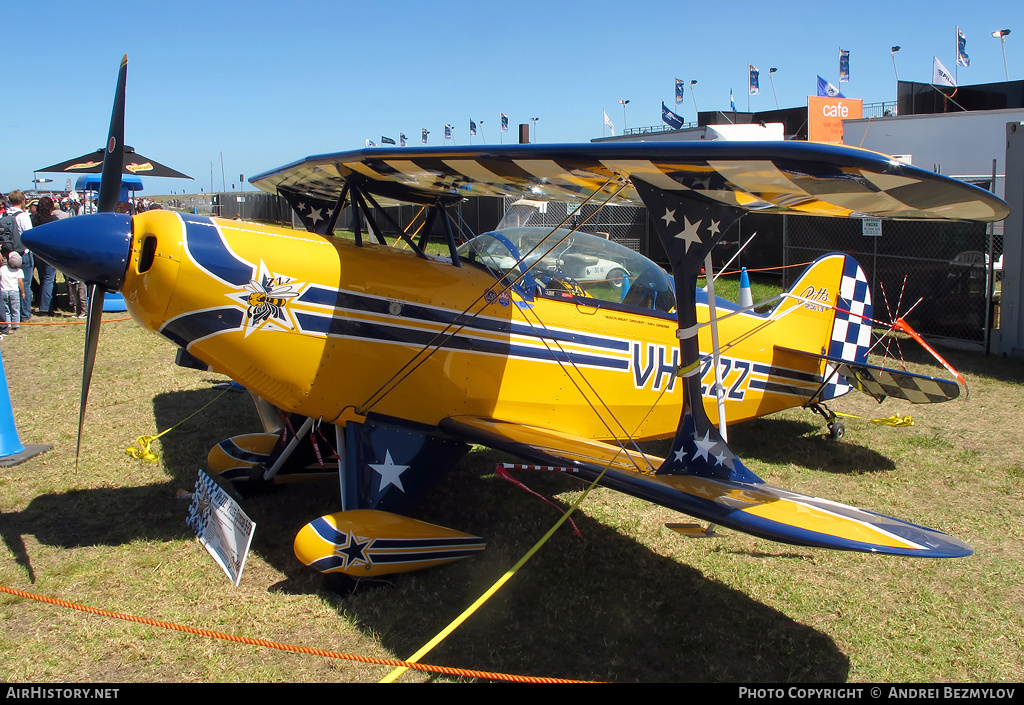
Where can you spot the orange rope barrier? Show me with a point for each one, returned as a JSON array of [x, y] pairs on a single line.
[[286, 647], [73, 321], [762, 269]]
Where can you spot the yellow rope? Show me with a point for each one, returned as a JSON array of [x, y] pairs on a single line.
[[457, 622], [145, 452], [894, 420]]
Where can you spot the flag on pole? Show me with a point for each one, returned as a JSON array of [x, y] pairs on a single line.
[[732, 101], [370, 143], [844, 66], [401, 138], [826, 89], [504, 122], [670, 118], [447, 131], [679, 91], [940, 76], [386, 140], [755, 89], [425, 133], [609, 123], [961, 49], [472, 129]]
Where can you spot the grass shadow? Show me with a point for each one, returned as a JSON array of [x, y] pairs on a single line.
[[604, 607]]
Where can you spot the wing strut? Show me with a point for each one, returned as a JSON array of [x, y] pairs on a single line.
[[689, 227], [332, 222], [401, 231]]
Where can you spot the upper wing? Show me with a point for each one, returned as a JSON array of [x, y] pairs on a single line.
[[789, 177], [752, 507]]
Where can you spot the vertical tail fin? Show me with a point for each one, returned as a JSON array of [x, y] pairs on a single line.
[[836, 289]]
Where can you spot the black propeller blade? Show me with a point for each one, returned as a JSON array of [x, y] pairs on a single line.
[[92, 339], [110, 193], [113, 157]]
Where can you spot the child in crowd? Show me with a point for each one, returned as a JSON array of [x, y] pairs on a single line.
[[12, 289]]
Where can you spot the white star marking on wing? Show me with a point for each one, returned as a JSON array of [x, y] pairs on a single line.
[[704, 446], [314, 214], [679, 454], [390, 474], [669, 217], [720, 458], [713, 228], [689, 233]]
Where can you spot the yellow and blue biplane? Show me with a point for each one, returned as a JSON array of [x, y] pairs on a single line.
[[550, 344]]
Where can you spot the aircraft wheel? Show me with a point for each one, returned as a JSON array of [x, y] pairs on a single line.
[[616, 276], [837, 430], [255, 485]]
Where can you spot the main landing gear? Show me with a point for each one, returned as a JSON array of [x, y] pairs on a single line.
[[836, 429]]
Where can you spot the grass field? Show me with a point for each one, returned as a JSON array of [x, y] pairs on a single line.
[[629, 601]]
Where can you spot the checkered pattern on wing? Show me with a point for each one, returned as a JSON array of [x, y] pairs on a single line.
[[851, 331]]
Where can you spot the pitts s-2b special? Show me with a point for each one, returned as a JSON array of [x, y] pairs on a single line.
[[508, 341]]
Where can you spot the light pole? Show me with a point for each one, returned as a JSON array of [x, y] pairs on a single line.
[[623, 103], [693, 95], [771, 78], [1000, 34], [892, 53], [534, 121]]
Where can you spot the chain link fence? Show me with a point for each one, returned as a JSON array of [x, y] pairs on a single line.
[[945, 273]]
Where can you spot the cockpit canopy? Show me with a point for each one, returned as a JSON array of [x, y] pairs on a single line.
[[546, 261]]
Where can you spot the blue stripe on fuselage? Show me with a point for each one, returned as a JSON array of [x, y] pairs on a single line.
[[185, 330], [205, 243], [382, 332], [323, 296]]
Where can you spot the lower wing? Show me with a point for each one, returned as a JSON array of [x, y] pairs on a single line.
[[752, 507]]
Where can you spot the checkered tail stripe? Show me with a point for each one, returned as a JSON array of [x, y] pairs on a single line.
[[851, 331]]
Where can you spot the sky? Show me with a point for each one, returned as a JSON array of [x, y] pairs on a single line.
[[220, 89]]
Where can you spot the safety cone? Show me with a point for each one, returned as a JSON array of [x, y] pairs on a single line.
[[12, 451], [745, 297]]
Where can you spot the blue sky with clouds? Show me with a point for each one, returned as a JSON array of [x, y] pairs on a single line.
[[267, 83]]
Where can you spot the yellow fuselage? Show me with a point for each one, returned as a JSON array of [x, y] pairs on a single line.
[[322, 327]]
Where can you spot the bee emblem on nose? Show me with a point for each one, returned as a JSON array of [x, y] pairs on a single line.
[[266, 298]]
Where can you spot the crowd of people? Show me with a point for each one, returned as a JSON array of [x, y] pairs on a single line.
[[25, 278]]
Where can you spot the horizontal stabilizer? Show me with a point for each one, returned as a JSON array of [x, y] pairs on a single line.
[[880, 382], [754, 508]]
